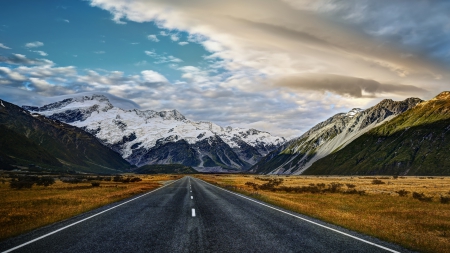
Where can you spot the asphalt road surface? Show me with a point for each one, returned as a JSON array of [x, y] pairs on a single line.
[[190, 215]]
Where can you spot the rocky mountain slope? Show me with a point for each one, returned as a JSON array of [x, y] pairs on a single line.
[[327, 137], [416, 142], [34, 139], [166, 137]]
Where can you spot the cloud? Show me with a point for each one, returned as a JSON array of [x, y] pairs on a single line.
[[153, 38], [3, 46], [174, 37], [41, 53], [346, 85], [66, 20], [163, 58], [99, 52], [34, 44], [20, 59], [284, 64], [183, 43], [153, 77], [141, 63]]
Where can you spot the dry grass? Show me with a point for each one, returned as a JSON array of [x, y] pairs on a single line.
[[27, 209], [380, 212]]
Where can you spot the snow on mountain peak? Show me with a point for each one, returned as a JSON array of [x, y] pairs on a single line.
[[353, 112], [132, 130]]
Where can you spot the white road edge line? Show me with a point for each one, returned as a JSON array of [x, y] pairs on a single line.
[[92, 216], [193, 212], [312, 222]]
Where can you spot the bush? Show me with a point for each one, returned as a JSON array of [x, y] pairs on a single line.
[[118, 179], [251, 184], [95, 184], [445, 199], [354, 191], [402, 193], [135, 179], [334, 187], [71, 180], [350, 186], [45, 181], [21, 183], [422, 197], [377, 181]]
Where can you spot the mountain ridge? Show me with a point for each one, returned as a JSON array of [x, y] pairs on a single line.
[[33, 138], [135, 134], [414, 143], [328, 136]]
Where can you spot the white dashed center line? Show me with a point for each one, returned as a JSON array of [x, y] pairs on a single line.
[[192, 197], [193, 212]]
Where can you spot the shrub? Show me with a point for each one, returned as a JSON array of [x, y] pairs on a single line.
[[71, 180], [117, 179], [251, 184], [422, 197], [402, 193], [445, 199], [350, 186], [377, 181], [135, 179], [95, 184], [321, 185], [23, 182], [334, 187], [45, 181]]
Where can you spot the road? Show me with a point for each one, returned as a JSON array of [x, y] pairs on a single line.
[[190, 215]]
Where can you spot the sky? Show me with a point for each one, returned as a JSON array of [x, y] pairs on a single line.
[[276, 65]]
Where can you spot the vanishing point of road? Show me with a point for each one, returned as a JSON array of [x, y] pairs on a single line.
[[190, 215]]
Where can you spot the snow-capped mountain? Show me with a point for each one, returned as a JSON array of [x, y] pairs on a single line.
[[329, 136], [151, 137]]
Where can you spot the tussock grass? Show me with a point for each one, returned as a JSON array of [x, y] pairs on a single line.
[[387, 211], [27, 209]]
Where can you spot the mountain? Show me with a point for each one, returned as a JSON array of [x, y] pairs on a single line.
[[166, 137], [165, 169], [34, 139], [331, 135], [414, 143]]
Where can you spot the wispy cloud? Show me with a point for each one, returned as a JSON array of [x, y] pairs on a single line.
[[163, 58], [153, 38], [3, 46], [183, 43], [141, 63], [34, 44], [41, 53], [99, 52]]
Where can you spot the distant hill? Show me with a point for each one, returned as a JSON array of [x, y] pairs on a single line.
[[34, 139], [165, 169], [417, 142]]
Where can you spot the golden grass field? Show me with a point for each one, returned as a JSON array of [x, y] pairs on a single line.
[[379, 212], [27, 209]]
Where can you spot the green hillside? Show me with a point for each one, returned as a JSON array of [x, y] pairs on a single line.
[[34, 139], [416, 142]]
